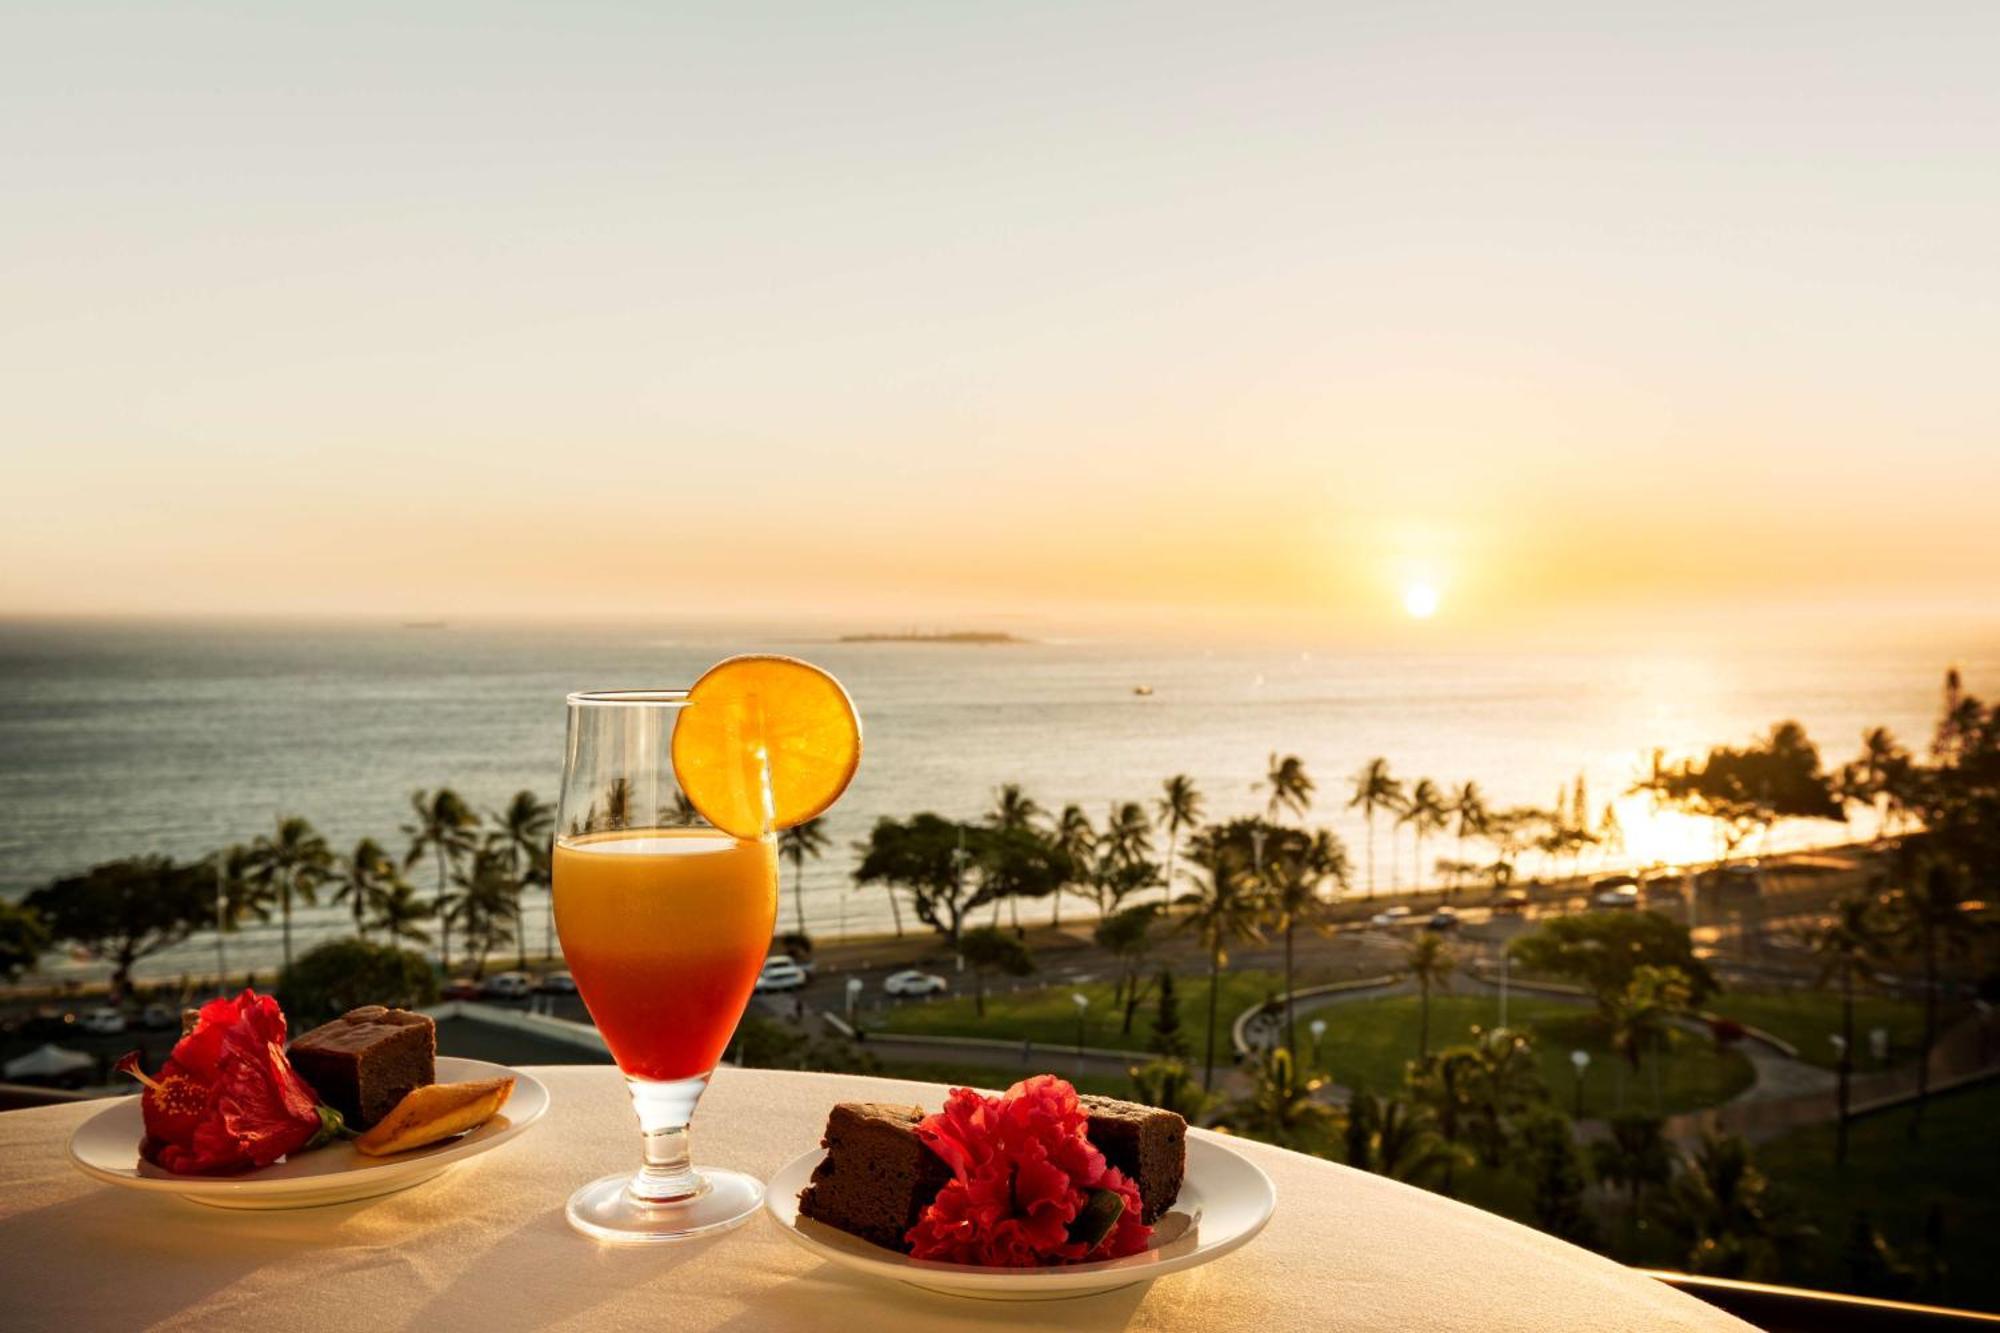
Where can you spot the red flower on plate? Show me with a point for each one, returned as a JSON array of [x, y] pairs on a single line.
[[227, 1100], [1027, 1187]]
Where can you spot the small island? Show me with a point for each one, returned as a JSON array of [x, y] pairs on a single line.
[[948, 636]]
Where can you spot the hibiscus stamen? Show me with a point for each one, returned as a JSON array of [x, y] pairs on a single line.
[[128, 1063]]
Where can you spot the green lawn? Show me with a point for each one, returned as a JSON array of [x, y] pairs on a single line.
[[1806, 1018], [1952, 1166], [1368, 1042], [1047, 1016]]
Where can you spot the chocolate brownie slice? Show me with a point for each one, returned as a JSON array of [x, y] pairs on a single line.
[[367, 1060], [877, 1177], [1149, 1145]]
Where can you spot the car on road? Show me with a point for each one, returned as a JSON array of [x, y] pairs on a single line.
[[1389, 916], [913, 982], [558, 983], [1664, 886], [461, 988], [1620, 896], [780, 973], [158, 1017], [1442, 919], [102, 1020], [508, 986]]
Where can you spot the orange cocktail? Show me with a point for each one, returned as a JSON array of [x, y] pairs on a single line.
[[665, 930]]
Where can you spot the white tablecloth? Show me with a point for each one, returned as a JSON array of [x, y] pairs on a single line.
[[485, 1247]]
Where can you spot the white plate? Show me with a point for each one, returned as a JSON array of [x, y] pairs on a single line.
[[106, 1146], [1224, 1201]]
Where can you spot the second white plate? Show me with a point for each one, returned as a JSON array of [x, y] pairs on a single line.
[[1224, 1201], [106, 1147]]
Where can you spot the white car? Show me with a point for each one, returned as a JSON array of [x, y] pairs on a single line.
[[912, 982], [509, 986], [780, 973], [559, 983], [1625, 895], [104, 1020], [1390, 916]]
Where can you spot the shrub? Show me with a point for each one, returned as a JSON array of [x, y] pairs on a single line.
[[345, 974]]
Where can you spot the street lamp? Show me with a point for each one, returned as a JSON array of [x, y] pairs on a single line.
[[1581, 1060], [853, 995], [1318, 1029], [1082, 1003]]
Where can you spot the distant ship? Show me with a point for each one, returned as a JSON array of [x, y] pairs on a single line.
[[951, 636], [1142, 689]]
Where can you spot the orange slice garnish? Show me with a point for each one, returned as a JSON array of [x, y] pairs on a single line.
[[765, 743]]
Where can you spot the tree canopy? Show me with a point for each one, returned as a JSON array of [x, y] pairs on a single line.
[[1603, 951], [123, 911]]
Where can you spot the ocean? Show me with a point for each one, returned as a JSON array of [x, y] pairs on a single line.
[[118, 739]]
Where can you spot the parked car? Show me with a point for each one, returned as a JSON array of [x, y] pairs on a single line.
[[780, 973], [558, 983], [103, 1020], [1624, 896], [913, 982], [1442, 919], [1389, 916], [159, 1017], [1664, 886], [461, 988], [509, 986]]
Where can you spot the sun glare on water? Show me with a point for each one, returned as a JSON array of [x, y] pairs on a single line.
[[1421, 600]]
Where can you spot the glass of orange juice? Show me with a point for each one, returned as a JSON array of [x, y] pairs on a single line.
[[666, 895]]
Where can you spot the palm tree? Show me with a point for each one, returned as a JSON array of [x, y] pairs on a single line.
[[488, 899], [1168, 1084], [523, 830], [1927, 914], [1293, 874], [1502, 1081], [1290, 788], [293, 862], [1444, 1084], [1127, 935], [1283, 1107], [1375, 789], [1222, 909], [1179, 807], [1719, 1208], [1642, 1015], [1121, 867], [1850, 941], [1468, 806], [1431, 962], [1635, 1156], [399, 914], [444, 826], [358, 878], [1394, 1138], [1074, 838], [1013, 810], [1879, 775], [796, 844], [1426, 813]]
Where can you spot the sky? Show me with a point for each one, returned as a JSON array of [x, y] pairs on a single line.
[[932, 314]]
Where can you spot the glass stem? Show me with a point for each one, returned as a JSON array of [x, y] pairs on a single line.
[[668, 1175]]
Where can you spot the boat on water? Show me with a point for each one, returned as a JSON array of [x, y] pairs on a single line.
[[1142, 690]]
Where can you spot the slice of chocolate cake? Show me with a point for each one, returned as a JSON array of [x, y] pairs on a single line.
[[877, 1176], [1149, 1145], [367, 1060]]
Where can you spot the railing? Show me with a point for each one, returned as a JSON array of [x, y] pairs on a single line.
[[1797, 1310]]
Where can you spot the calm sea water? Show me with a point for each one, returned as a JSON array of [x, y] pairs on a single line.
[[116, 740]]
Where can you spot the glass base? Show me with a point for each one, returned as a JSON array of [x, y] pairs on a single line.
[[608, 1210]]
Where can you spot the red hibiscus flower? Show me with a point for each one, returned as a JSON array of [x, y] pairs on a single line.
[[1027, 1187], [227, 1099]]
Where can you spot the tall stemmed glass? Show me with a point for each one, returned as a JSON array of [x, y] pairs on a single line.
[[665, 922]]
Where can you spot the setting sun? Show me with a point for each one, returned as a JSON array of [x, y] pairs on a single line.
[[1421, 600]]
